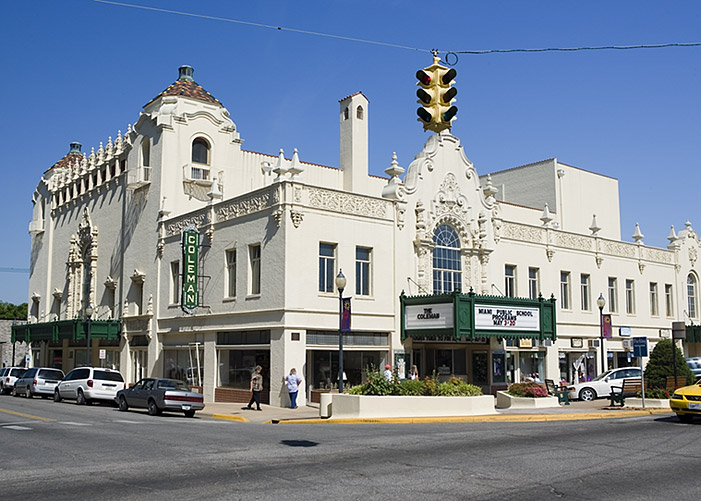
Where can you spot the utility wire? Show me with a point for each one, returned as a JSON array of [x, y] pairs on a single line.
[[448, 53]]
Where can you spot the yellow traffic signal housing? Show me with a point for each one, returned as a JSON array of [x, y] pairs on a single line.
[[436, 96]]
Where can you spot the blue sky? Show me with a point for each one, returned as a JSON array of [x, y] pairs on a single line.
[[79, 70]]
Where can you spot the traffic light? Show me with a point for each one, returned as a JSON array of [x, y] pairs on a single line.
[[436, 96]]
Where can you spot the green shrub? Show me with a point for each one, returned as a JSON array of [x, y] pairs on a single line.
[[412, 388], [660, 365], [533, 390], [456, 387], [654, 393], [356, 390]]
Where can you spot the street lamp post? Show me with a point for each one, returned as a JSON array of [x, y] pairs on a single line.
[[601, 302], [88, 312], [340, 285]]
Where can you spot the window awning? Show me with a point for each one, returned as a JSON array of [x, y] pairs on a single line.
[[470, 317], [75, 330], [693, 334]]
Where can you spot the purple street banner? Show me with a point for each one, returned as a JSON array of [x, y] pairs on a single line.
[[606, 326], [346, 315]]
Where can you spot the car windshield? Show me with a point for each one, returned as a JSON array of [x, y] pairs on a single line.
[[109, 376], [171, 384]]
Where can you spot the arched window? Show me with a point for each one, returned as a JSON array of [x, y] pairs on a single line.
[[346, 113], [359, 113], [692, 295], [446, 260], [145, 152], [200, 151]]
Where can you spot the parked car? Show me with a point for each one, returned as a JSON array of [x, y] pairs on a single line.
[[9, 376], [158, 395], [686, 402], [38, 381], [87, 384], [601, 385], [694, 364]]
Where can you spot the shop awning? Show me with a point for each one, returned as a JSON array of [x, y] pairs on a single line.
[[693, 334], [470, 316], [75, 330]]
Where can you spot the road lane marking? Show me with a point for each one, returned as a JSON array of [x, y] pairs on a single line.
[[72, 423], [15, 427], [22, 414], [126, 421]]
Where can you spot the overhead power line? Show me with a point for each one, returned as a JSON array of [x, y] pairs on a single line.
[[447, 53], [14, 270]]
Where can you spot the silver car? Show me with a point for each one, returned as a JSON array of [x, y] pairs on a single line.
[[158, 395], [9, 376], [38, 381]]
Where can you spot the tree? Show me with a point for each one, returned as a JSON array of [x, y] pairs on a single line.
[[660, 365], [9, 311]]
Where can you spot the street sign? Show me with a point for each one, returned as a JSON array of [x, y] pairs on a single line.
[[640, 347], [678, 330], [103, 354]]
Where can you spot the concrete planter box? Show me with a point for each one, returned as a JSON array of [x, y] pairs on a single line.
[[650, 403], [369, 406], [506, 401]]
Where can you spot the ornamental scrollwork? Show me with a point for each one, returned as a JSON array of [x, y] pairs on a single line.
[[346, 203]]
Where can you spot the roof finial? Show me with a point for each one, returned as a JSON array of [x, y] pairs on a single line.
[[186, 73]]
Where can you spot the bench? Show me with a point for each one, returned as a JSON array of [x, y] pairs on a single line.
[[681, 381], [561, 393], [630, 388]]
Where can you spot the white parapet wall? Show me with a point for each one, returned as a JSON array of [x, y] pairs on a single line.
[[506, 401], [370, 406], [650, 403]]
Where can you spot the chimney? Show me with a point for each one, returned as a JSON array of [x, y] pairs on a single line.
[[75, 147], [354, 142]]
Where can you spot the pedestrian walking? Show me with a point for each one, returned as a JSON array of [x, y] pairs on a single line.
[[293, 381], [256, 388]]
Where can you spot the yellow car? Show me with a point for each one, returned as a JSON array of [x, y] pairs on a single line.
[[686, 402]]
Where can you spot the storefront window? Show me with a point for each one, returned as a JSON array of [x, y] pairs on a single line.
[[182, 364], [236, 367], [323, 367], [532, 366]]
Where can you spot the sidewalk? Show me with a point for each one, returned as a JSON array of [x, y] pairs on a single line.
[[309, 414]]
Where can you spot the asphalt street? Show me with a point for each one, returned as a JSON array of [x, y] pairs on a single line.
[[65, 451]]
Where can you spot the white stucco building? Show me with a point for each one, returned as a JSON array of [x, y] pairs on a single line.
[[275, 231]]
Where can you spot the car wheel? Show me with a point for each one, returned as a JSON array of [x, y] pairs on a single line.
[[28, 394], [14, 392], [685, 418], [123, 406], [57, 396], [153, 409], [587, 394], [80, 398], [190, 413]]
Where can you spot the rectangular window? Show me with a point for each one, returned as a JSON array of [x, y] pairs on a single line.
[[231, 273], [510, 280], [668, 300], [362, 271], [654, 311], [533, 287], [327, 267], [175, 282], [630, 297], [613, 295], [254, 253], [584, 281], [565, 290]]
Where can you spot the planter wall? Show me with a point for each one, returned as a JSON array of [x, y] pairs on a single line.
[[367, 406], [650, 403], [506, 401]]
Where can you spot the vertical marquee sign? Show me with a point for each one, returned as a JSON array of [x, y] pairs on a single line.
[[190, 296]]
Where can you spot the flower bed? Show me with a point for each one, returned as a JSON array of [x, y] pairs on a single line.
[[347, 406], [508, 401]]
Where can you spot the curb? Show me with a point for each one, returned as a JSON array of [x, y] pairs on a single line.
[[480, 419], [227, 417]]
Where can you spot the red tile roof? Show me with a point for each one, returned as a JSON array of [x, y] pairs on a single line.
[[187, 88], [67, 160]]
